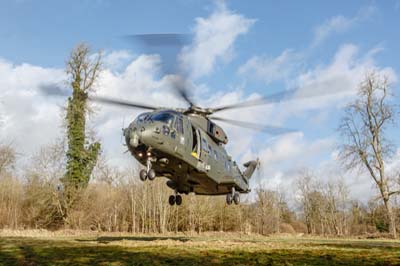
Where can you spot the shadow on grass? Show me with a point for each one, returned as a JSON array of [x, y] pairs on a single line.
[[21, 251], [384, 246], [108, 239]]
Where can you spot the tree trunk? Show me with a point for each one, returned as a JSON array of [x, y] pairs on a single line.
[[391, 218]]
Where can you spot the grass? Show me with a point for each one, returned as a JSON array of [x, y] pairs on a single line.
[[200, 250]]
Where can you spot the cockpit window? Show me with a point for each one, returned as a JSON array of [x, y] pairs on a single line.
[[142, 118], [163, 117], [179, 125]]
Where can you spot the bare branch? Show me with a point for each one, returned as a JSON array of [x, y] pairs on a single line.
[[363, 126]]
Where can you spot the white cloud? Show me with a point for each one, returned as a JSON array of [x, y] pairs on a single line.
[[29, 118], [343, 74], [325, 86], [282, 159], [271, 69], [339, 24], [116, 60], [336, 82], [214, 39]]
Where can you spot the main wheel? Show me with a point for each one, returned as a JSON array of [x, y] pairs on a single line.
[[236, 198], [143, 175], [151, 175], [178, 200], [171, 200], [229, 199]]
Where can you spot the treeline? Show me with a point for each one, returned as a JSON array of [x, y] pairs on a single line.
[[117, 201]]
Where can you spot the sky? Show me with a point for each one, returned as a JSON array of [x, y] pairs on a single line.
[[239, 50]]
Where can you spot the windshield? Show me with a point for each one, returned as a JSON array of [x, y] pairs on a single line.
[[163, 117], [143, 117]]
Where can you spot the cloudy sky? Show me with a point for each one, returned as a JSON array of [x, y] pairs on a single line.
[[237, 51]]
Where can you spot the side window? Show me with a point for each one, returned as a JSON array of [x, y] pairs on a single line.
[[227, 166], [211, 127], [204, 144], [215, 155], [179, 125]]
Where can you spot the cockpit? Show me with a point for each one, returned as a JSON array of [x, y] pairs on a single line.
[[167, 117], [164, 117]]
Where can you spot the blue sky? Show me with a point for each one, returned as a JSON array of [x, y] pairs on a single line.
[[43, 32], [265, 46]]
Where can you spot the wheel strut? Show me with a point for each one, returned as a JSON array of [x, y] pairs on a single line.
[[233, 197], [148, 172], [148, 165]]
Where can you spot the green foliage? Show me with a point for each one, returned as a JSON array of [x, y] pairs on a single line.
[[81, 156], [382, 226]]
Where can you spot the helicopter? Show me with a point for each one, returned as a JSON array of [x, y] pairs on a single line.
[[185, 145], [188, 148]]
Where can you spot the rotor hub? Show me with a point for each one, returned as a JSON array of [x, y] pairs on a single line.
[[194, 109]]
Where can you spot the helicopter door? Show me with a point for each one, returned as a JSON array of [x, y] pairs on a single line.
[[204, 150], [195, 143], [179, 135]]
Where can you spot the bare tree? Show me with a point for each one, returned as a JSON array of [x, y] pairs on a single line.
[[365, 145], [41, 202], [7, 157], [267, 211], [305, 185], [10, 189]]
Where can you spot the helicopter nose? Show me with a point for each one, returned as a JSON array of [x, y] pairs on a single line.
[[131, 137], [141, 134], [148, 134]]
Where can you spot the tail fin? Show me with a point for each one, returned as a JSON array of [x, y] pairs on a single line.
[[250, 168]]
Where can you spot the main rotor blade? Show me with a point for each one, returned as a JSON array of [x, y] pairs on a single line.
[[180, 87], [273, 130], [168, 46], [160, 39], [119, 102], [282, 96]]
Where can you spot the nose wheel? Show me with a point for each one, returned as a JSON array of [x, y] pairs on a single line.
[[148, 172]]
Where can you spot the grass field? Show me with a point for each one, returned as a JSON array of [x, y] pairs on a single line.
[[200, 250]]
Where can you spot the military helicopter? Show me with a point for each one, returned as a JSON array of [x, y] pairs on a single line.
[[185, 145], [188, 148]]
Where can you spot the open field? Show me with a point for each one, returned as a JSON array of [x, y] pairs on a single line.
[[89, 249]]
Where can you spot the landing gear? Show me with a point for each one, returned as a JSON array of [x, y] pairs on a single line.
[[151, 174], [175, 199], [148, 172], [233, 197], [171, 200], [143, 175], [236, 198], [178, 200], [229, 199]]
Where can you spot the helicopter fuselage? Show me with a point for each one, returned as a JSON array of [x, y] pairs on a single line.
[[180, 148]]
